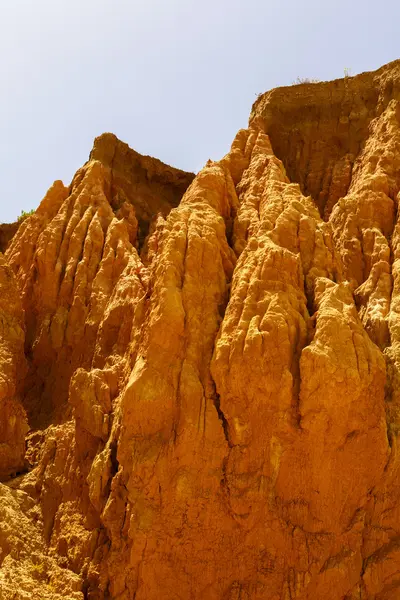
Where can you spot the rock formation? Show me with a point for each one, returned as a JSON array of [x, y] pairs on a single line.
[[210, 366]]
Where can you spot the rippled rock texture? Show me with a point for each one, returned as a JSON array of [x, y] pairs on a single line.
[[207, 370]]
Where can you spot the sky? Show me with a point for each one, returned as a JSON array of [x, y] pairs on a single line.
[[173, 78]]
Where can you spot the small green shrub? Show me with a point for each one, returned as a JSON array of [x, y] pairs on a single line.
[[25, 214]]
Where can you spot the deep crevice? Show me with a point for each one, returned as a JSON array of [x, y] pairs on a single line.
[[222, 418]]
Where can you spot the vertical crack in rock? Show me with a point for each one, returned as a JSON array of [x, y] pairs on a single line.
[[222, 418]]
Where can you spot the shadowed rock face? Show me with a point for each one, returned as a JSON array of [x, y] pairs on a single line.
[[319, 131], [7, 232], [214, 369], [145, 182]]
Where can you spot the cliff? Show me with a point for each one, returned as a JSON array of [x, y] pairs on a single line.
[[210, 367]]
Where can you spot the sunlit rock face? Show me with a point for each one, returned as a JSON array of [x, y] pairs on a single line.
[[201, 375]]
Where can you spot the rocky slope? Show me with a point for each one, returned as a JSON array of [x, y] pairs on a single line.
[[210, 367]]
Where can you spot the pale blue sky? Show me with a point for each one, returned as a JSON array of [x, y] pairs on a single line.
[[173, 78]]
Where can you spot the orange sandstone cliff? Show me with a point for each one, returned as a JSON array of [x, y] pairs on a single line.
[[200, 377]]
